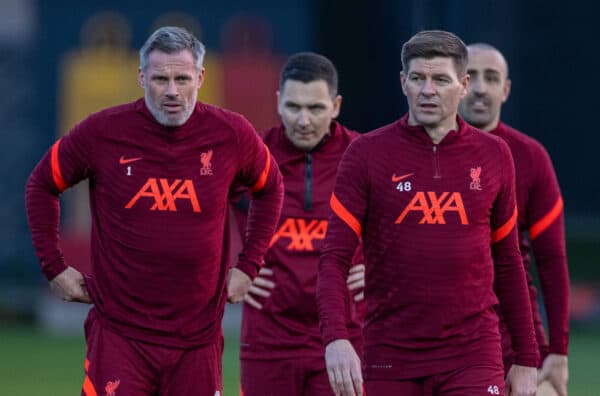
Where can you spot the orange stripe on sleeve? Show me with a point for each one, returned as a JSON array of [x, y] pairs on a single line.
[[54, 163], [87, 365], [546, 221], [501, 233], [345, 215], [263, 176]]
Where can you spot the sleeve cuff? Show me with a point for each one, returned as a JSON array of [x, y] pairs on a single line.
[[559, 349], [528, 360], [332, 335], [248, 268], [53, 268]]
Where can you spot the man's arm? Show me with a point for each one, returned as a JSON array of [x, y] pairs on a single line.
[[348, 204], [66, 163], [511, 284], [510, 280], [260, 173], [545, 218]]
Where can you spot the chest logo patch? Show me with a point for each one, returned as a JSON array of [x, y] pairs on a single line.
[[475, 178], [205, 158]]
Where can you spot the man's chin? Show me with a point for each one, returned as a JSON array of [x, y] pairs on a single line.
[[174, 120], [477, 122], [304, 145]]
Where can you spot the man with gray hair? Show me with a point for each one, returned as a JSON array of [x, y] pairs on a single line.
[[159, 172]]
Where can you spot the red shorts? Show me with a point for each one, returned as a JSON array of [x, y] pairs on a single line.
[[483, 380], [289, 377], [116, 365]]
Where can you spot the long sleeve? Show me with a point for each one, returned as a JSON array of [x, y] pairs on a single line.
[[43, 212], [547, 234], [261, 174], [511, 284], [349, 205], [65, 164]]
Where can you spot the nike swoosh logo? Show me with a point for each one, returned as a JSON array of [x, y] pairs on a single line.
[[396, 179], [124, 160]]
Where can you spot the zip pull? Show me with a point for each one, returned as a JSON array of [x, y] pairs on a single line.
[[308, 183], [436, 164]]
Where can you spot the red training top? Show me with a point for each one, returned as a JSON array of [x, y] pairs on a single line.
[[288, 325], [158, 198], [438, 223], [541, 232]]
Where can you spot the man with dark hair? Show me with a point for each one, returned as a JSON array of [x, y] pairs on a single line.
[[281, 348], [540, 220], [159, 172], [427, 194]]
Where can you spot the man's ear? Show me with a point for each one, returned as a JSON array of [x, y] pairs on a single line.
[[141, 77], [337, 106], [507, 86], [403, 81]]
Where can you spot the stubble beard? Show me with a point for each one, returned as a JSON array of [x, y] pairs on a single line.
[[162, 117]]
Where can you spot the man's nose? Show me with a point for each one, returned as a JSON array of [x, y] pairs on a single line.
[[172, 88], [303, 117], [478, 86], [428, 87]]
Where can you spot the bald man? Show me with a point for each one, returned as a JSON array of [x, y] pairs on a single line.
[[540, 217]]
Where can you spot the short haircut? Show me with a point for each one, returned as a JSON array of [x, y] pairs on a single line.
[[489, 47], [308, 67], [172, 39], [430, 44]]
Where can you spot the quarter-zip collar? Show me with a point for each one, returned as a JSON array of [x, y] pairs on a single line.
[[308, 157], [418, 132]]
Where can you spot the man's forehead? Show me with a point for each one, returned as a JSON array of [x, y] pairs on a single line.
[[158, 58], [297, 84], [486, 59], [436, 65], [316, 90]]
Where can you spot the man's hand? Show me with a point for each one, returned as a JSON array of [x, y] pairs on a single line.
[[238, 284], [521, 381], [356, 280], [555, 370], [69, 285], [261, 287], [343, 369]]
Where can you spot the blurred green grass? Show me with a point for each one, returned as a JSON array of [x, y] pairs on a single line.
[[34, 363]]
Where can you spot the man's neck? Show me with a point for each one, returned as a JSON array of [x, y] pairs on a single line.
[[437, 134], [439, 131], [490, 127]]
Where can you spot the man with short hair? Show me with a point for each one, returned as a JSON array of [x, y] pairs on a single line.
[[427, 194], [281, 349], [540, 221], [159, 172]]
